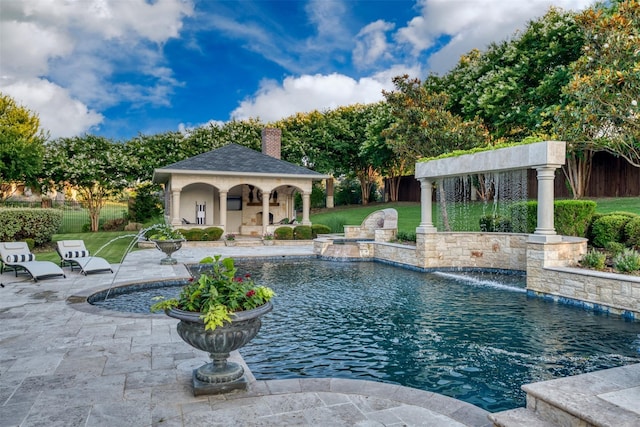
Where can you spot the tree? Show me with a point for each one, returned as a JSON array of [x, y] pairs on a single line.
[[21, 145], [378, 149], [423, 126], [604, 93], [514, 85], [94, 166]]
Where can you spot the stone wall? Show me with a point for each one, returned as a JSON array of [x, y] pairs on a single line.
[[551, 274], [477, 250], [606, 292]]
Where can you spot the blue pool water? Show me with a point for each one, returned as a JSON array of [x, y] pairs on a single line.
[[474, 337]]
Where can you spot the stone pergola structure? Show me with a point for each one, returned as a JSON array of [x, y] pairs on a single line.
[[236, 188], [544, 157]]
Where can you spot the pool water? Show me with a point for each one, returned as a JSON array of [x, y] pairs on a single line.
[[474, 337]]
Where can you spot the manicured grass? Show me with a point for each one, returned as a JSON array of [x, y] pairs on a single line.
[[116, 243], [613, 204], [409, 213]]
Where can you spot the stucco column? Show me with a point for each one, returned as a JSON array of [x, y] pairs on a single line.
[[175, 207], [426, 221], [223, 210], [265, 211], [545, 229], [329, 192], [306, 205]]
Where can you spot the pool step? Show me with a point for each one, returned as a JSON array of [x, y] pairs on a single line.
[[519, 417], [603, 398]]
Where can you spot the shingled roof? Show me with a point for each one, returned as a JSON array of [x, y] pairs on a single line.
[[235, 159]]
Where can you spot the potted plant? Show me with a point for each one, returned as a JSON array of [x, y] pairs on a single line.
[[219, 312], [230, 239], [167, 239], [267, 239]]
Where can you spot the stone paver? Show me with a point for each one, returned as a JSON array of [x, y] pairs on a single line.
[[60, 366]]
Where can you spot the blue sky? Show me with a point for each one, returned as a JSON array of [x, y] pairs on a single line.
[[121, 67]]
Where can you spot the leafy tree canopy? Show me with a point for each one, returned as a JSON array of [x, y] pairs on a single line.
[[21, 144], [95, 167]]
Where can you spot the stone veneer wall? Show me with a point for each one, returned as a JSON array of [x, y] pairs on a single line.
[[550, 274], [481, 250]]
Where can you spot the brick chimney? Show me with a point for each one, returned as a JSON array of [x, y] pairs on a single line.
[[271, 142]]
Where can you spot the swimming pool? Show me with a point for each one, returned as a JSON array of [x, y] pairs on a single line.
[[475, 337]]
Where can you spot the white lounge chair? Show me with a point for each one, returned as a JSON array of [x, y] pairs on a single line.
[[16, 256], [75, 254]]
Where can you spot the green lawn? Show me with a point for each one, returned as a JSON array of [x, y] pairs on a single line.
[[409, 213], [116, 243]]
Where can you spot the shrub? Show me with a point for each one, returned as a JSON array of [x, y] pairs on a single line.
[[212, 233], [406, 236], [495, 224], [524, 216], [627, 261], [593, 259], [302, 232], [116, 224], [589, 234], [30, 243], [336, 223], [319, 229], [608, 228], [283, 233], [18, 224], [193, 234], [145, 204], [632, 232], [572, 217], [614, 248]]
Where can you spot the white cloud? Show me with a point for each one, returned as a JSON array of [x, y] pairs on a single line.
[[87, 40], [371, 44], [471, 24], [315, 92], [59, 114]]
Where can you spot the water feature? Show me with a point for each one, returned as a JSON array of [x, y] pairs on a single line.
[[496, 192], [473, 336]]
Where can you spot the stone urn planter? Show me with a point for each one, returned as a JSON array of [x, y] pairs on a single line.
[[219, 312], [168, 246], [220, 375]]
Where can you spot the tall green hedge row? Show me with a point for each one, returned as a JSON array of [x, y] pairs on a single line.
[[18, 224]]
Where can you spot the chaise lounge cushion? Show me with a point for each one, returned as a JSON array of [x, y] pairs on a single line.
[[75, 253], [16, 255], [12, 259]]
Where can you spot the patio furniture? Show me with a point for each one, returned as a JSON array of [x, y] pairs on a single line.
[[75, 254], [16, 256]]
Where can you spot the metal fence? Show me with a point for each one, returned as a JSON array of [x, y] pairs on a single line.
[[75, 218]]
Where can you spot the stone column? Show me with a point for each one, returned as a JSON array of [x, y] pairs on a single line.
[[176, 219], [329, 192], [265, 211], [545, 229], [223, 210], [426, 221], [306, 206]]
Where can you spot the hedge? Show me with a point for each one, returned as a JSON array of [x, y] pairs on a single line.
[[632, 232], [571, 217], [320, 229], [283, 233], [18, 224], [302, 232], [608, 228]]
